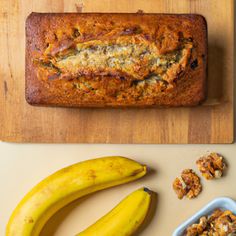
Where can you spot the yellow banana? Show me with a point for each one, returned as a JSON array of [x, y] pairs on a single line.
[[125, 218], [66, 185]]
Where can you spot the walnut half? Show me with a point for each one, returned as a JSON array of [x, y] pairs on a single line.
[[211, 166], [187, 185]]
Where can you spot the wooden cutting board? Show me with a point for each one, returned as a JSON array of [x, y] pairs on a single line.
[[210, 123]]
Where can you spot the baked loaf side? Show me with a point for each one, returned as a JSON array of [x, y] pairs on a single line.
[[93, 59]]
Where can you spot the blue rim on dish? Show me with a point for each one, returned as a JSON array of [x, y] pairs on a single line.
[[221, 202]]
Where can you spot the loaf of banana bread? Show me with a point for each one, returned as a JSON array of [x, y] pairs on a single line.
[[115, 59]]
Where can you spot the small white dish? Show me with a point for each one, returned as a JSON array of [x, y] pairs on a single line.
[[221, 202]]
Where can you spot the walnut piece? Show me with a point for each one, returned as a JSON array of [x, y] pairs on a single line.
[[187, 185], [219, 223], [211, 166], [197, 229]]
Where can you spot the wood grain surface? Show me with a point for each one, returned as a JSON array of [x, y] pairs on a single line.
[[210, 123]]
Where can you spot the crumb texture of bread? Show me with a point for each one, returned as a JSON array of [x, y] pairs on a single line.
[[117, 60]]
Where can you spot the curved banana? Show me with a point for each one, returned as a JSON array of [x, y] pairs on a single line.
[[66, 185], [125, 218]]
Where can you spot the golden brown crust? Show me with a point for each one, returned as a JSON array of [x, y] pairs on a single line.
[[93, 59]]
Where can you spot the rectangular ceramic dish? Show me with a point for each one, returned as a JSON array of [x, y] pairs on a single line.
[[221, 202]]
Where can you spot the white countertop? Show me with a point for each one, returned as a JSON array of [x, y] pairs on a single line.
[[24, 165]]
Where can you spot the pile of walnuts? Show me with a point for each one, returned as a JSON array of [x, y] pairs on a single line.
[[211, 166]]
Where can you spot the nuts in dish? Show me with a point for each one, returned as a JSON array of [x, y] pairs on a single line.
[[211, 166], [219, 223], [187, 185]]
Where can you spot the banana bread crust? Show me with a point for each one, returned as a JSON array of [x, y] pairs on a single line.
[[115, 59]]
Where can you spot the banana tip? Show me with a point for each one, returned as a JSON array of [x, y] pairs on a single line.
[[145, 168], [147, 190]]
